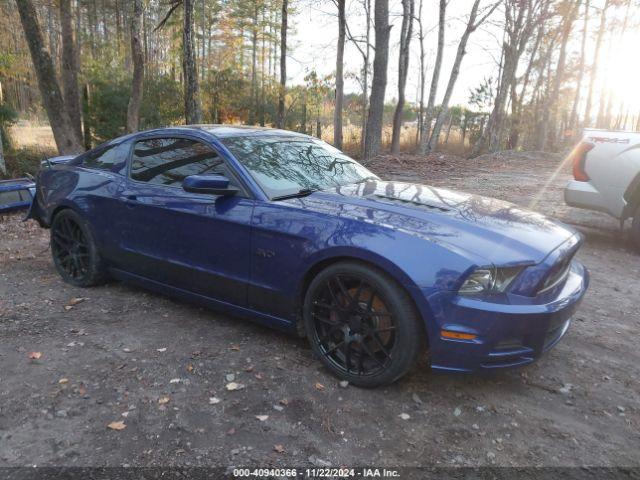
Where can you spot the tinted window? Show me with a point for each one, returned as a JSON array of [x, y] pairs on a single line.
[[167, 161], [107, 159], [283, 165]]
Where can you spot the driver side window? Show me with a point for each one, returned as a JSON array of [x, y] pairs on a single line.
[[168, 161]]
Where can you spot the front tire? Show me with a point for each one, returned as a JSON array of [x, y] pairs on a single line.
[[362, 325], [74, 251]]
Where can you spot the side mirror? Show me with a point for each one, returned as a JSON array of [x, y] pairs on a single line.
[[209, 184]]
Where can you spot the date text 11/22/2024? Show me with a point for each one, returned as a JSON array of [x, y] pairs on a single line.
[[316, 472]]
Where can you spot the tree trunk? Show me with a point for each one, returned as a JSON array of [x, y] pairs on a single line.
[[518, 100], [133, 109], [283, 63], [450, 124], [605, 94], [465, 122], [435, 78], [403, 69], [85, 116], [544, 120], [254, 64], [63, 132], [337, 114], [421, 36], [53, 36], [69, 69], [3, 165], [379, 84], [605, 107], [594, 66], [192, 107], [569, 18], [365, 75], [520, 19], [303, 123], [203, 45], [573, 121], [453, 77], [261, 109]]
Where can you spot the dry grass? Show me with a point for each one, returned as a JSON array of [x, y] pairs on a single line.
[[40, 138], [408, 140], [30, 135], [352, 138]]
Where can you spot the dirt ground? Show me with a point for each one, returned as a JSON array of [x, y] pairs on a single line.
[[160, 367]]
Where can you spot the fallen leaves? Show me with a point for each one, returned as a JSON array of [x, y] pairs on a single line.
[[35, 355], [319, 386], [190, 368], [73, 302], [231, 386], [278, 448], [163, 400], [119, 425], [63, 381]]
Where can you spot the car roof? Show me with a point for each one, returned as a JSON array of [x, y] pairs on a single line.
[[217, 130], [224, 131]]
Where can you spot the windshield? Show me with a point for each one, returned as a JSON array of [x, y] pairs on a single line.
[[286, 165]]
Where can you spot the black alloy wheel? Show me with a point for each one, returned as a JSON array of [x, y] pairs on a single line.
[[74, 252], [362, 325]]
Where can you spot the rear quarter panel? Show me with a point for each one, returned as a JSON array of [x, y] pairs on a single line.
[[612, 165], [90, 193]]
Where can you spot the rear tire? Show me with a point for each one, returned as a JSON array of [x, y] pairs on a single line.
[[74, 250], [635, 230], [362, 325]]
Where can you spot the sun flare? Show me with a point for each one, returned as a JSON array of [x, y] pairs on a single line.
[[620, 73]]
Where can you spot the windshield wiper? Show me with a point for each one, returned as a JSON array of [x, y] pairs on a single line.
[[303, 192]]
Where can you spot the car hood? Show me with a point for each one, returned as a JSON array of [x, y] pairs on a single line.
[[498, 232]]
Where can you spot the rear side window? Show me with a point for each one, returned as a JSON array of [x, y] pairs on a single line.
[[167, 161], [113, 158]]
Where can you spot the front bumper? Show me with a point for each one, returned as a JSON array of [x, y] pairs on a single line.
[[585, 195], [508, 334]]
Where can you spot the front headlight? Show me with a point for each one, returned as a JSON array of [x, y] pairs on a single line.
[[489, 280]]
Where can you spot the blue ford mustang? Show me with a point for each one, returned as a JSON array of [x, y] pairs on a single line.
[[285, 229]]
